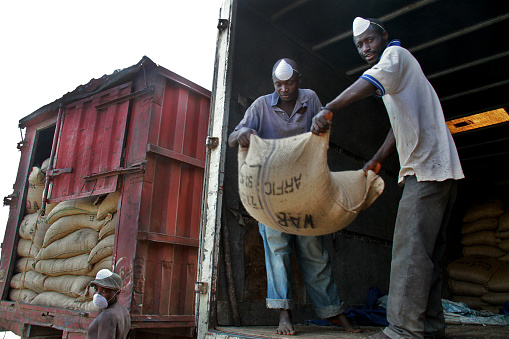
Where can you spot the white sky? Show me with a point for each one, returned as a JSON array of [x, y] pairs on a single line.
[[48, 48]]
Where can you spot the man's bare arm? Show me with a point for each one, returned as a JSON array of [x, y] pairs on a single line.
[[387, 148], [358, 90]]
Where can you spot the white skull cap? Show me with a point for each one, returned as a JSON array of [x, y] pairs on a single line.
[[360, 25], [104, 273], [283, 71]]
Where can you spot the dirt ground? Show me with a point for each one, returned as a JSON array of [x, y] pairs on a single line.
[[321, 332]]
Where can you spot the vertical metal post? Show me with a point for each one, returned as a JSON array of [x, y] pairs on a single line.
[[56, 137]]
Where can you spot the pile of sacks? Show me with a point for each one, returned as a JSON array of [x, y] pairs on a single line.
[[481, 278], [60, 253]]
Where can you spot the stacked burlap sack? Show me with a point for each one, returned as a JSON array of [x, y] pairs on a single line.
[[481, 277], [61, 252]]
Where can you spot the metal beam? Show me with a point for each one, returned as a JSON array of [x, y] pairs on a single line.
[[443, 39], [468, 65], [384, 18], [287, 9], [475, 90]]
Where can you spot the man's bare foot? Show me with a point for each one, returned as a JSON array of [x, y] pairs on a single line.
[[285, 323], [342, 320]]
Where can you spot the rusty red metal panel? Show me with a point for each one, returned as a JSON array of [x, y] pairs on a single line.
[[172, 194], [90, 143]]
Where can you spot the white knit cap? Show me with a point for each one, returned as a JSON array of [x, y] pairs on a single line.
[[283, 71], [360, 25]]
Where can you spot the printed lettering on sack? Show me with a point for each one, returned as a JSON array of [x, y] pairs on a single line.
[[284, 187], [293, 220]]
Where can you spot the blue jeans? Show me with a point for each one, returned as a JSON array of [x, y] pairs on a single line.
[[414, 305], [314, 264]]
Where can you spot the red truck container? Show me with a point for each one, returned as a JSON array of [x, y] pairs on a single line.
[[140, 131]]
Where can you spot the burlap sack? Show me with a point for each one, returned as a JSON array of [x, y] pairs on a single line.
[[104, 263], [23, 296], [486, 251], [504, 258], [286, 184], [495, 298], [502, 235], [36, 182], [499, 282], [53, 299], [79, 242], [108, 205], [77, 265], [44, 166], [504, 245], [27, 249], [466, 288], [69, 224], [31, 280], [503, 222], [103, 249], [474, 269], [40, 232], [70, 285], [33, 227], [491, 208], [486, 238], [480, 225], [72, 207], [27, 226], [108, 228], [50, 207], [24, 265]]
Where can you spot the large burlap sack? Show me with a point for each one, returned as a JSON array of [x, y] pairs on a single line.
[[108, 205], [466, 288], [486, 251], [503, 222], [23, 296], [45, 165], [30, 279], [40, 231], [79, 242], [474, 269], [502, 235], [486, 238], [27, 226], [36, 182], [50, 207], [33, 227], [499, 282], [104, 263], [480, 225], [24, 265], [70, 285], [504, 245], [55, 299], [72, 207], [69, 224], [27, 249], [491, 208], [286, 184], [108, 228], [103, 249], [77, 265], [495, 298]]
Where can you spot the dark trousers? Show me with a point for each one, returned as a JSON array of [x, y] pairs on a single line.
[[414, 306]]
